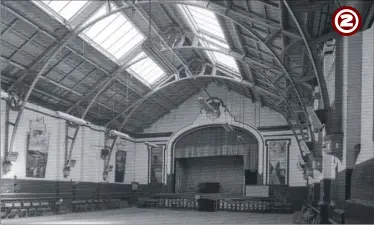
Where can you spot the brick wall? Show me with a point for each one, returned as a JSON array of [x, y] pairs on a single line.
[[353, 102]]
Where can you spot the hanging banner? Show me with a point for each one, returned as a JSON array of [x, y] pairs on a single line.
[[278, 151], [156, 164], [37, 151], [120, 166]]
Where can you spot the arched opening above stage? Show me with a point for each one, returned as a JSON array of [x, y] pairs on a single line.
[[225, 160]]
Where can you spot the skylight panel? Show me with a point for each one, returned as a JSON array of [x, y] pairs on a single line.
[[66, 9], [206, 21], [146, 69], [208, 28], [115, 34], [226, 61]]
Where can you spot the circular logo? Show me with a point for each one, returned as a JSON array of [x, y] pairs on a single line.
[[346, 20]]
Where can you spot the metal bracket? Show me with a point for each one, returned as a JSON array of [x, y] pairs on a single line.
[[69, 162], [10, 156], [107, 167]]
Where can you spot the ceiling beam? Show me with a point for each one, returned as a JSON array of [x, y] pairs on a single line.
[[139, 101], [157, 31], [246, 70], [316, 68], [50, 51], [307, 7]]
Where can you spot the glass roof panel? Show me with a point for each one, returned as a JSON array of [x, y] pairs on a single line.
[[146, 69], [115, 33], [66, 9], [226, 60], [214, 42], [72, 8], [210, 31], [206, 20]]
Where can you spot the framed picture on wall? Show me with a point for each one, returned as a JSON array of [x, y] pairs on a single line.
[[156, 164], [120, 166], [37, 151], [278, 161]]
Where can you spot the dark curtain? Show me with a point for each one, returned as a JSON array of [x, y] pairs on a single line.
[[216, 141]]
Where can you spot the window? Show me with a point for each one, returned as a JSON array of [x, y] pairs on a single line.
[[207, 27], [66, 9], [115, 34], [146, 69]]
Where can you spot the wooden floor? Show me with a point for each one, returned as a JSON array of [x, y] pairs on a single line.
[[156, 216]]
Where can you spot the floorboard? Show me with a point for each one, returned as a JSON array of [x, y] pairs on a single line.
[[156, 216]]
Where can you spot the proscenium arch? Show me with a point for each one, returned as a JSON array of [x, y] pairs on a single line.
[[193, 127]]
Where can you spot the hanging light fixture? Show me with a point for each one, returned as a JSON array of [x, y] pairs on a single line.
[[118, 134], [4, 95], [71, 118], [66, 171], [105, 175]]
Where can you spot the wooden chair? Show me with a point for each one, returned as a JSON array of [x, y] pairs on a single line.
[[45, 207], [112, 203], [2, 211], [12, 212], [74, 205], [89, 205], [100, 204], [32, 210], [106, 204], [96, 204], [83, 205], [8, 208], [36, 206], [25, 209], [316, 220], [17, 209]]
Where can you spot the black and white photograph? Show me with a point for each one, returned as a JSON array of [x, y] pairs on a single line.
[[187, 112]]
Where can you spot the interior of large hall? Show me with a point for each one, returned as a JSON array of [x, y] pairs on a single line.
[[187, 111]]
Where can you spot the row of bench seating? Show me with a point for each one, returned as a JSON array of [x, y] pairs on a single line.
[[221, 205], [22, 208], [16, 209], [94, 204]]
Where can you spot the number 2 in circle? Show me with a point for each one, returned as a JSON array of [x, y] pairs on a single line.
[[346, 20]]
